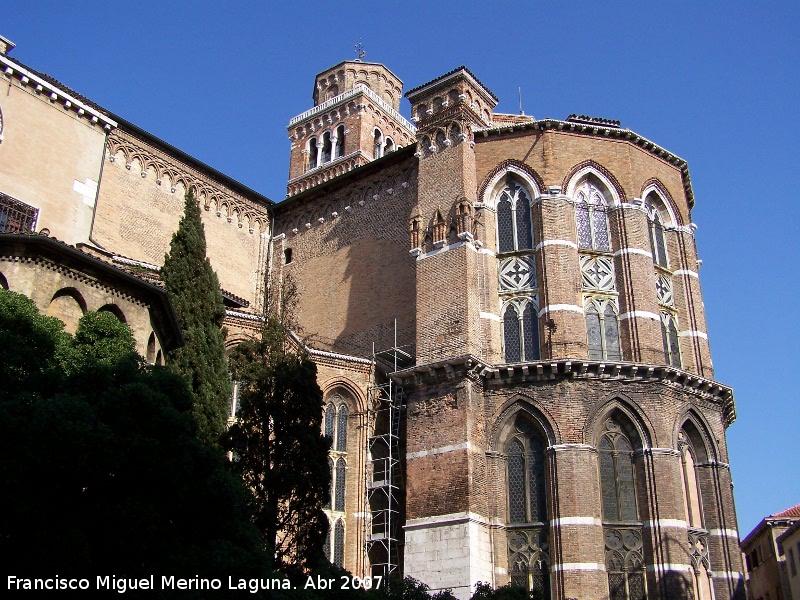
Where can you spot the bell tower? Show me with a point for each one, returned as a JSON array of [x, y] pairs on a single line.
[[354, 120]]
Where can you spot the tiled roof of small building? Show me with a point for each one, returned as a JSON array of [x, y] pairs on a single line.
[[792, 512]]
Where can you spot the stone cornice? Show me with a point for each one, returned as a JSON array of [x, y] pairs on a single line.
[[597, 130], [55, 93], [548, 370]]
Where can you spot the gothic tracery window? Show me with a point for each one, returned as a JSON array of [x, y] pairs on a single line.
[[602, 329], [655, 226], [693, 510], [591, 218], [528, 558], [518, 284], [669, 337], [621, 525], [335, 422]]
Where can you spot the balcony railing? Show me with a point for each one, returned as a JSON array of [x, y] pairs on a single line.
[[16, 216]]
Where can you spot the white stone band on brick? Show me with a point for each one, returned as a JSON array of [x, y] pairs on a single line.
[[490, 316], [641, 314], [575, 521], [669, 567], [587, 566], [560, 307], [562, 447], [444, 248], [622, 251], [544, 243], [731, 533], [686, 272], [727, 575], [441, 450], [690, 333], [449, 519], [666, 523]]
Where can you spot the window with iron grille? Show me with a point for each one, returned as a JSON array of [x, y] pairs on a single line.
[[16, 216]]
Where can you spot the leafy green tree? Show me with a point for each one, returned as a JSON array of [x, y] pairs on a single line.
[[101, 466], [279, 447], [193, 288], [484, 591]]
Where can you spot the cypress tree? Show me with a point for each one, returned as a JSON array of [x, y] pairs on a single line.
[[193, 288]]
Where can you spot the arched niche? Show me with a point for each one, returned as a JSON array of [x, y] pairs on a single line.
[[69, 306]]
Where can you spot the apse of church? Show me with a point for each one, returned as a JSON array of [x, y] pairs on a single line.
[[557, 421], [505, 313]]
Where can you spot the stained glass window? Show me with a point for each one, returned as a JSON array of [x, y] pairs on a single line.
[[505, 225], [523, 216], [669, 337], [656, 229], [330, 413], [338, 543], [340, 485], [530, 332], [616, 476], [511, 334], [514, 224], [517, 512], [594, 332], [326, 545], [330, 471], [591, 218], [602, 330], [611, 324], [528, 557], [622, 531], [341, 429], [526, 491]]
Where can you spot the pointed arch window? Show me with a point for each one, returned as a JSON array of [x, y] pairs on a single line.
[[514, 224], [521, 331], [655, 226], [528, 557], [591, 217], [338, 543], [340, 485], [518, 283], [621, 526], [689, 444], [691, 490], [602, 329], [669, 337], [335, 422]]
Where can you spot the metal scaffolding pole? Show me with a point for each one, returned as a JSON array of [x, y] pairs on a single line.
[[384, 473]]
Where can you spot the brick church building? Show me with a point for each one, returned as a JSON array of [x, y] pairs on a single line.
[[505, 312]]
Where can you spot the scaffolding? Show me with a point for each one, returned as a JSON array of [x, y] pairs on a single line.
[[384, 475]]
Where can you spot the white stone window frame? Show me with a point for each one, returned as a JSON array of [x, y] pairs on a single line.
[[659, 211], [607, 191]]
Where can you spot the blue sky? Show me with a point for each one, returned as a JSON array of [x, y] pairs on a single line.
[[714, 82]]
